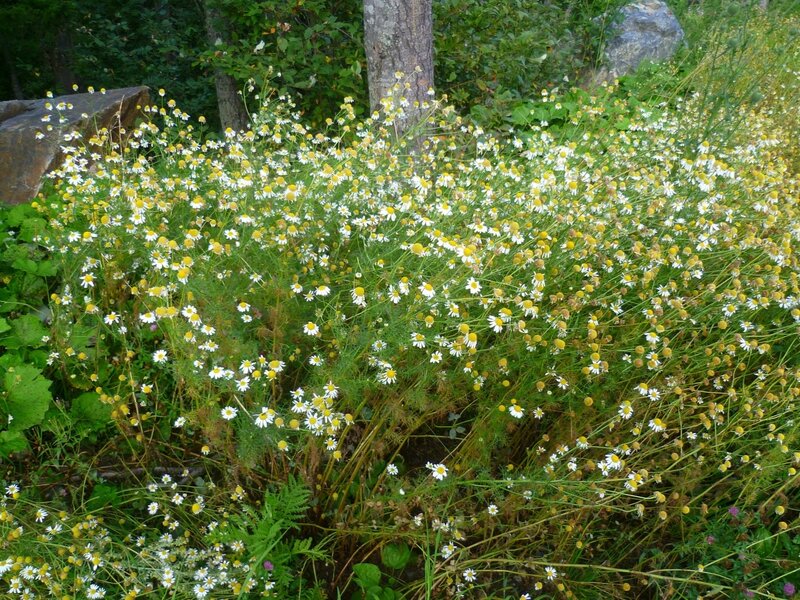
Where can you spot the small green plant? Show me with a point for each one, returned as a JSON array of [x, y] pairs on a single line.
[[26, 272], [24, 399], [396, 555], [368, 578], [749, 550], [182, 535], [269, 535]]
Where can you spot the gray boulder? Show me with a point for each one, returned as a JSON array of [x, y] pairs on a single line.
[[646, 30], [31, 135]]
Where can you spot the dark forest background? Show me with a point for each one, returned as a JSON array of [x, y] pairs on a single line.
[[489, 53]]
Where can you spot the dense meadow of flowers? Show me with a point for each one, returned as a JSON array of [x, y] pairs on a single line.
[[559, 363]]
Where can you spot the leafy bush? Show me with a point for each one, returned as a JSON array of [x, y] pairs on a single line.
[[25, 271], [491, 55], [316, 47]]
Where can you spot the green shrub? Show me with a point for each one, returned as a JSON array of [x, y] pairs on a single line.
[[491, 55], [26, 272], [315, 47]]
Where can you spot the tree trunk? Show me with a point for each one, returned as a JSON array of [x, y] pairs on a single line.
[[398, 38], [232, 112], [16, 88], [58, 53]]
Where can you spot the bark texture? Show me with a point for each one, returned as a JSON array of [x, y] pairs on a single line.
[[398, 36], [232, 112], [12, 74]]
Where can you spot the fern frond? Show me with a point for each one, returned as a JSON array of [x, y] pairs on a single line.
[[290, 503]]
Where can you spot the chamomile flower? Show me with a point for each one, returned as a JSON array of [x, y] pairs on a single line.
[[387, 376], [625, 410], [265, 417], [358, 296], [427, 290], [448, 549], [229, 412], [516, 411], [216, 372], [418, 340], [496, 323], [438, 470]]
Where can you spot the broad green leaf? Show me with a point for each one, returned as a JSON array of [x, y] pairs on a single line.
[[103, 495], [27, 396], [12, 441], [18, 214], [31, 228], [24, 288], [396, 555], [10, 359], [46, 268], [4, 326], [374, 592], [82, 337], [37, 358], [367, 575], [521, 115], [8, 300], [13, 252], [25, 264], [27, 330], [88, 409]]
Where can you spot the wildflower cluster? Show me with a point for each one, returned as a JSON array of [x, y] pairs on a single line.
[[90, 556], [550, 339]]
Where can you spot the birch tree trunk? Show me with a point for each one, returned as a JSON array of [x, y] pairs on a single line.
[[232, 112], [398, 38]]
